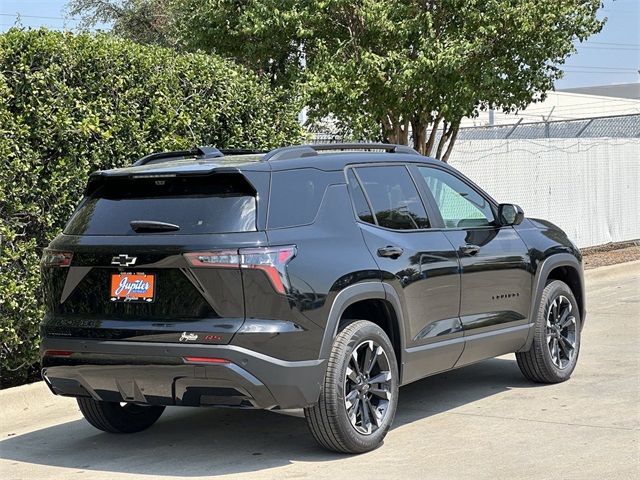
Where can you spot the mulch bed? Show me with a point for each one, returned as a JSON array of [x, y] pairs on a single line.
[[611, 254]]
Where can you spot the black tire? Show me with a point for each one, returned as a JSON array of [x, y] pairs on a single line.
[[538, 363], [328, 420], [115, 418]]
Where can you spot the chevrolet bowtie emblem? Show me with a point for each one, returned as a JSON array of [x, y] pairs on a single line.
[[123, 260]]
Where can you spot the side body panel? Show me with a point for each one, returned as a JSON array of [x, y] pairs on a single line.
[[496, 291], [427, 281]]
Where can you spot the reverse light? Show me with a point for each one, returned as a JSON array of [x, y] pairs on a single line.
[[54, 258], [271, 260], [215, 259], [205, 360]]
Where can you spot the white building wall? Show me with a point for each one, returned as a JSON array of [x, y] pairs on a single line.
[[561, 106], [588, 187]]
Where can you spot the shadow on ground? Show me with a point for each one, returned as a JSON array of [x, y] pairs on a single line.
[[210, 441]]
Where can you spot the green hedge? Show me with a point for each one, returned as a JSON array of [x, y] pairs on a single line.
[[71, 104]]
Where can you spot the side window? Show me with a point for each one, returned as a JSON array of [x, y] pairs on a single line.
[[394, 198], [295, 197], [459, 204], [359, 201]]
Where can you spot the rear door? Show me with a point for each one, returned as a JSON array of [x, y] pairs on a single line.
[[418, 262], [129, 277], [494, 262]]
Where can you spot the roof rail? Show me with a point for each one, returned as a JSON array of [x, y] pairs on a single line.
[[201, 152], [241, 151], [387, 147], [299, 151], [284, 153]]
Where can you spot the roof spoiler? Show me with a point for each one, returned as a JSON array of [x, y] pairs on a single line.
[[199, 152]]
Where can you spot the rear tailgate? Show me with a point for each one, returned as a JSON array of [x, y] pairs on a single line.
[[137, 285]]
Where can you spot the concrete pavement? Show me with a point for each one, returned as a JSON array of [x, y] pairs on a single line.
[[480, 422]]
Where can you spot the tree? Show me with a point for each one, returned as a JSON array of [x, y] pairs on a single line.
[[404, 71], [420, 67], [261, 35], [267, 36], [72, 104], [143, 21]]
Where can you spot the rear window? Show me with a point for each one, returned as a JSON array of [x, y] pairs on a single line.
[[219, 203], [394, 197], [296, 196], [359, 200]]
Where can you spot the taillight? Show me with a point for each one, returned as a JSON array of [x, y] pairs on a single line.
[[54, 258], [271, 260]]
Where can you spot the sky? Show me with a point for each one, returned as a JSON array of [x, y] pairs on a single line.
[[610, 57]]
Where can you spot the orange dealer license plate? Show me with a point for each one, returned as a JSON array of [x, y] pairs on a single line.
[[132, 287]]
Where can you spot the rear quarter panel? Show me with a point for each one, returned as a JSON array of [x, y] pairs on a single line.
[[331, 255]]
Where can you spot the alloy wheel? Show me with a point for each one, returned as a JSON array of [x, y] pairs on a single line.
[[367, 387], [561, 332]]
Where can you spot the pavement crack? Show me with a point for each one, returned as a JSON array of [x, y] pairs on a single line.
[[544, 421]]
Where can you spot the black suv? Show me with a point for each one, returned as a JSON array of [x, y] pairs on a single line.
[[320, 277]]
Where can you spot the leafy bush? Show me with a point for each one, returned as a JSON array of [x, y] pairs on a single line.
[[72, 104]]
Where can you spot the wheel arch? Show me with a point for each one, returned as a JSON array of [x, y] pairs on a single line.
[[564, 267], [570, 275], [366, 301]]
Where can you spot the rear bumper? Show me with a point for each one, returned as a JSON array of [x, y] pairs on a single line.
[[157, 374]]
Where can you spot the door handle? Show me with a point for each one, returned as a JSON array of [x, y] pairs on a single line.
[[390, 251], [469, 249]]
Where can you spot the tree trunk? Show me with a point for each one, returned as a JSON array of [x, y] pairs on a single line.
[[419, 130], [452, 140], [446, 133], [395, 129], [403, 136], [388, 130], [432, 136]]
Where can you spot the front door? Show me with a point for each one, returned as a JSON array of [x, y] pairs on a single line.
[[417, 261], [494, 264]]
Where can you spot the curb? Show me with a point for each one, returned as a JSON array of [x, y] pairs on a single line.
[[612, 271], [24, 397]]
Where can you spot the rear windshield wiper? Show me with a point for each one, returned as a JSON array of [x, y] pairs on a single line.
[[152, 226]]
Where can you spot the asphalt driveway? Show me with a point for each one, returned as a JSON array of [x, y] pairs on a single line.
[[482, 421]]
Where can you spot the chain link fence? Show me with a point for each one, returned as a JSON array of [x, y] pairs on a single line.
[[620, 126]]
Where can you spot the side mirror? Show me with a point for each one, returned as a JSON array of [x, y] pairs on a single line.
[[510, 214]]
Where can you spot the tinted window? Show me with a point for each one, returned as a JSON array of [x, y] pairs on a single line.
[[219, 203], [459, 204], [296, 196], [394, 197], [359, 201]]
